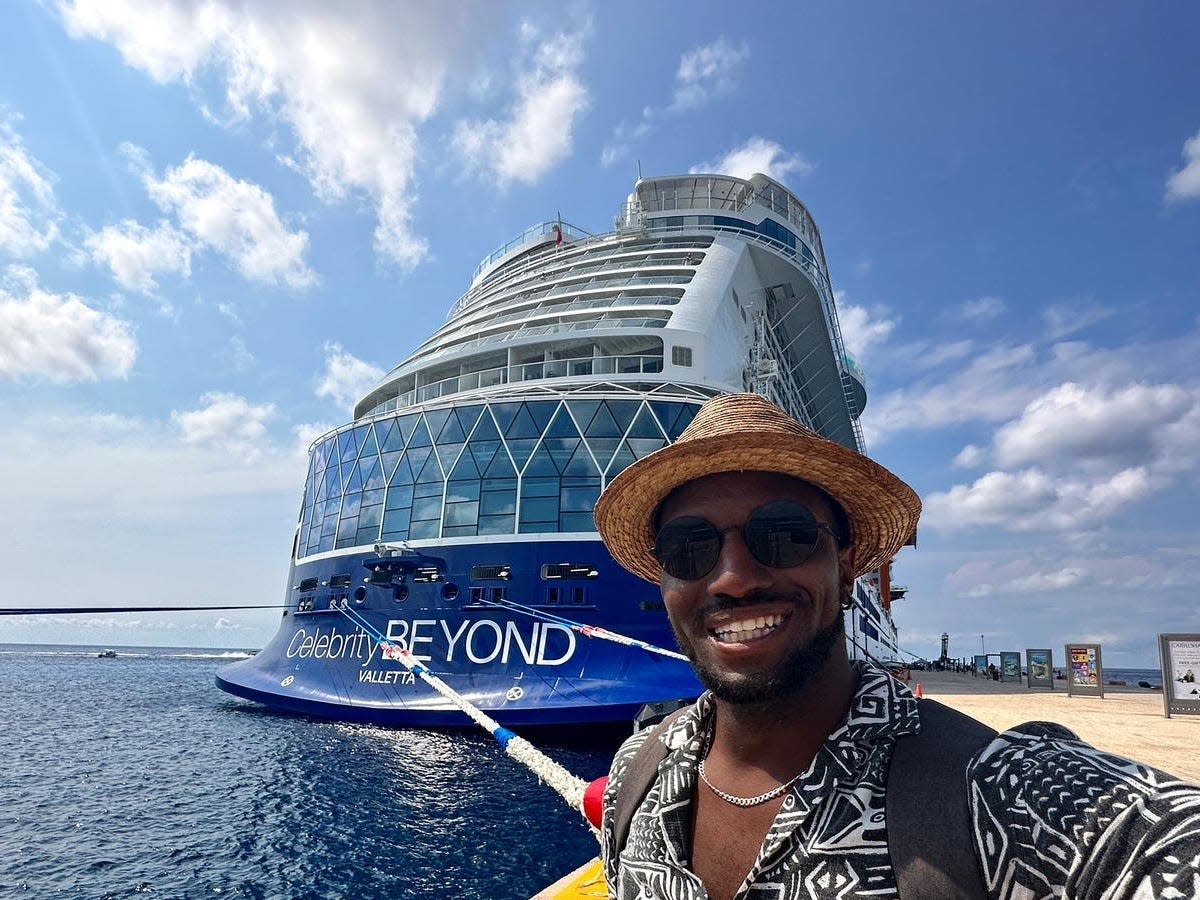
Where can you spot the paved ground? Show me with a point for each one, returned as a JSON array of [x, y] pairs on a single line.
[[1127, 720]]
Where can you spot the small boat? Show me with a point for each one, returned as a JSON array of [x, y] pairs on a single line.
[[107, 654]]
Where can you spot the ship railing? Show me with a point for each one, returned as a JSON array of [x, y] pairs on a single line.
[[529, 371], [531, 235]]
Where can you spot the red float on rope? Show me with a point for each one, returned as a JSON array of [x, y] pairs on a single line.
[[593, 800]]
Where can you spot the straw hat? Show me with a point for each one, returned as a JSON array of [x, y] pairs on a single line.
[[747, 433]]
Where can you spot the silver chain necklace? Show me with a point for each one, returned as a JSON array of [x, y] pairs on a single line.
[[745, 801]]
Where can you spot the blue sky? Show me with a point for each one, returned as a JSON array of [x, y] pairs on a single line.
[[220, 222]]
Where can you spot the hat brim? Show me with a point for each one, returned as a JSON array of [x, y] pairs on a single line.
[[883, 510]]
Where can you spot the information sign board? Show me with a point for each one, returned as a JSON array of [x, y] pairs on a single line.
[[1179, 655], [1085, 670], [1010, 666], [980, 664], [1039, 668]]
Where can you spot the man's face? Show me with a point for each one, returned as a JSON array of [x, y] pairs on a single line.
[[799, 607]]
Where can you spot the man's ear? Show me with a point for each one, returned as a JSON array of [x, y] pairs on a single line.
[[846, 566]]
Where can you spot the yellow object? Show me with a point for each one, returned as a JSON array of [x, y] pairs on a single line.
[[586, 881]]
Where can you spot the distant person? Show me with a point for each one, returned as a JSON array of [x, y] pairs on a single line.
[[801, 774]]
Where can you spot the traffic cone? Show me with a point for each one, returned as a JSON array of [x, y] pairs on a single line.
[[920, 691]]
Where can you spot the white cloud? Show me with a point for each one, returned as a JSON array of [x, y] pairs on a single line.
[[757, 155], [982, 309], [234, 218], [1033, 500], [1185, 184], [1067, 318], [1079, 423], [618, 145], [861, 328], [969, 457], [135, 253], [706, 73], [226, 420], [59, 337], [351, 82], [537, 133], [28, 212], [347, 378]]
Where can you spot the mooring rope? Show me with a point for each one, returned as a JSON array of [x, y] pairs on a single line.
[[568, 786], [91, 610], [592, 631]]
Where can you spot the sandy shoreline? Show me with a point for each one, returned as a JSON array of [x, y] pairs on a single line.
[[1128, 721]]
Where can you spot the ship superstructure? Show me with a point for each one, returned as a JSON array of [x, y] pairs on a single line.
[[453, 515]]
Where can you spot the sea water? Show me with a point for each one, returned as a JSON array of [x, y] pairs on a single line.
[[138, 777]]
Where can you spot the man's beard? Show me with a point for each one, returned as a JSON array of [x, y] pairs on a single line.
[[788, 677]]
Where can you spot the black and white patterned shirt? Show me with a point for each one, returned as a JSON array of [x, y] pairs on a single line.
[[1053, 817]]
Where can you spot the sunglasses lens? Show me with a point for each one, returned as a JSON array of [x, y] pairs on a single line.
[[687, 547], [782, 534]]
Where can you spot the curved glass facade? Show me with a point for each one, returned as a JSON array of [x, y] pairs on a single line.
[[500, 467]]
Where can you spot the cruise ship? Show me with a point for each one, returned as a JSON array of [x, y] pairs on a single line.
[[453, 516]]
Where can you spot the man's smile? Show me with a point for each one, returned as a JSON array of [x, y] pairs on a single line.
[[741, 628]]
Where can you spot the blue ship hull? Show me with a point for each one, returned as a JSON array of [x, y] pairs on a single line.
[[439, 602]]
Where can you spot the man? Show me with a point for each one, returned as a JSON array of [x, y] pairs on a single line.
[[776, 782]]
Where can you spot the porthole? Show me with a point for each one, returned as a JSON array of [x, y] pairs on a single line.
[[400, 593], [360, 595], [450, 591]]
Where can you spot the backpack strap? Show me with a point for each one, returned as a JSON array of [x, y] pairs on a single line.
[[639, 775], [929, 827]]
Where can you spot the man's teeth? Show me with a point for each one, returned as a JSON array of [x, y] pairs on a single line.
[[747, 629]]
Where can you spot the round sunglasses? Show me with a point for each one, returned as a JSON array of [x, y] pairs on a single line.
[[780, 534]]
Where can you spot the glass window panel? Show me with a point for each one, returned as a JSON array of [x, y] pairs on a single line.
[[351, 478], [501, 466], [621, 460], [351, 504], [494, 503], [561, 450], [451, 432], [583, 411], [420, 436], [396, 520], [407, 425], [505, 414], [580, 463], [372, 472], [496, 524], [430, 471], [523, 426], [643, 447], [331, 506], [427, 489], [448, 454], [333, 481], [388, 463], [539, 509], [367, 534], [423, 530], [384, 428], [427, 508], [467, 417], [399, 495], [321, 493], [539, 487], [458, 491], [685, 418], [371, 498], [347, 448], [562, 426], [541, 410], [459, 530], [520, 448], [486, 429], [462, 513], [368, 447], [499, 484], [483, 452], [623, 412], [528, 527], [541, 463], [645, 426], [347, 532], [603, 424], [576, 522], [370, 515], [580, 498]]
